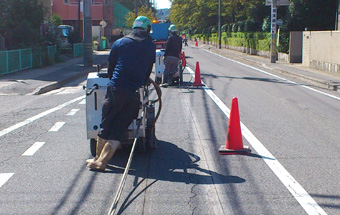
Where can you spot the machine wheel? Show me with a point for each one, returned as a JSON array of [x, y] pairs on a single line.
[[93, 147], [158, 80]]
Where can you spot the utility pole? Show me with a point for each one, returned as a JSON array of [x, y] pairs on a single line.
[[337, 16], [87, 34], [219, 24], [273, 47], [79, 18]]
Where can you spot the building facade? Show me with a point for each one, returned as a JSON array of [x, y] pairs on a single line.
[[71, 13]]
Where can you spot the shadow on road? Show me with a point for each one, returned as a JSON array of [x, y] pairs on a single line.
[[167, 163]]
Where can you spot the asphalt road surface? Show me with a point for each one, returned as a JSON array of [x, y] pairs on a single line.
[[291, 128]]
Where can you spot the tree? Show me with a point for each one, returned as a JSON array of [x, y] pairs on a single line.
[[142, 11], [22, 21], [311, 14], [56, 19]]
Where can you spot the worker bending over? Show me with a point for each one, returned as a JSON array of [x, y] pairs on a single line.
[[130, 64], [173, 49]]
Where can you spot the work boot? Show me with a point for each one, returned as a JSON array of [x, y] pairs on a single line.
[[99, 147], [109, 149]]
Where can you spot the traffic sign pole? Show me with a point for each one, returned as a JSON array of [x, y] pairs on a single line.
[[273, 48]]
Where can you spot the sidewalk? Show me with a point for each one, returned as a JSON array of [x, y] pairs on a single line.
[[325, 80], [41, 80]]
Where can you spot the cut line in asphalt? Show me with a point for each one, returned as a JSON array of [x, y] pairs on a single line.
[[299, 193]]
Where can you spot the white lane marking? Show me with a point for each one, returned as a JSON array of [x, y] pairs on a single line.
[[33, 149], [4, 177], [57, 126], [278, 77], [38, 116], [72, 112], [300, 194], [82, 102]]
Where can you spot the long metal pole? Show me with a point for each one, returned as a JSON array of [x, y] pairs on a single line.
[[273, 32], [79, 18], [337, 16], [219, 24], [87, 34]]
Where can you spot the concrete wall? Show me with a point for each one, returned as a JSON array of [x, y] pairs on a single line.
[[321, 50]]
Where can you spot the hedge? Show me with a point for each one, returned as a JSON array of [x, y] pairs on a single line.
[[254, 40]]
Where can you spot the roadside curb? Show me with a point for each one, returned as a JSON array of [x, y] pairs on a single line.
[[57, 84]]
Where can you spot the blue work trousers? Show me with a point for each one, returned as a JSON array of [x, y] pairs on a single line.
[[120, 107]]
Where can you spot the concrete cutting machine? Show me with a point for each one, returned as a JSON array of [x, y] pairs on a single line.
[[177, 78], [144, 124]]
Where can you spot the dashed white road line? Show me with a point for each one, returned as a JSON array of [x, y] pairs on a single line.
[[33, 149], [72, 112], [4, 177], [82, 102], [57, 126], [300, 194], [38, 116]]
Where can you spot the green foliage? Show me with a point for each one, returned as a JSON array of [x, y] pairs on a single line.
[[21, 23], [266, 24], [142, 11], [56, 19], [311, 14], [263, 45], [49, 32]]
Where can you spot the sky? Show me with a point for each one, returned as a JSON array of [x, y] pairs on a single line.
[[161, 4]]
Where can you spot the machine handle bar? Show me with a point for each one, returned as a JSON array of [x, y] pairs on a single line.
[[95, 87]]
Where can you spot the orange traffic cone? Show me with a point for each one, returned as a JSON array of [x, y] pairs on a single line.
[[196, 44], [198, 81], [234, 144]]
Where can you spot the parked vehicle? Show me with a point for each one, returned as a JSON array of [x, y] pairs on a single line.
[[63, 34]]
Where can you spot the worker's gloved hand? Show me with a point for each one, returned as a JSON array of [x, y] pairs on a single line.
[[164, 59]]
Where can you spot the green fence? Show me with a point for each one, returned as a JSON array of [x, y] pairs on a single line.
[[78, 49], [15, 60]]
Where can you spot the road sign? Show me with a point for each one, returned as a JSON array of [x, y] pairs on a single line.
[[102, 23], [279, 22], [278, 2]]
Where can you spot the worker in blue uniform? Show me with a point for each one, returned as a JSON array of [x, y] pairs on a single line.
[[171, 56], [130, 64]]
